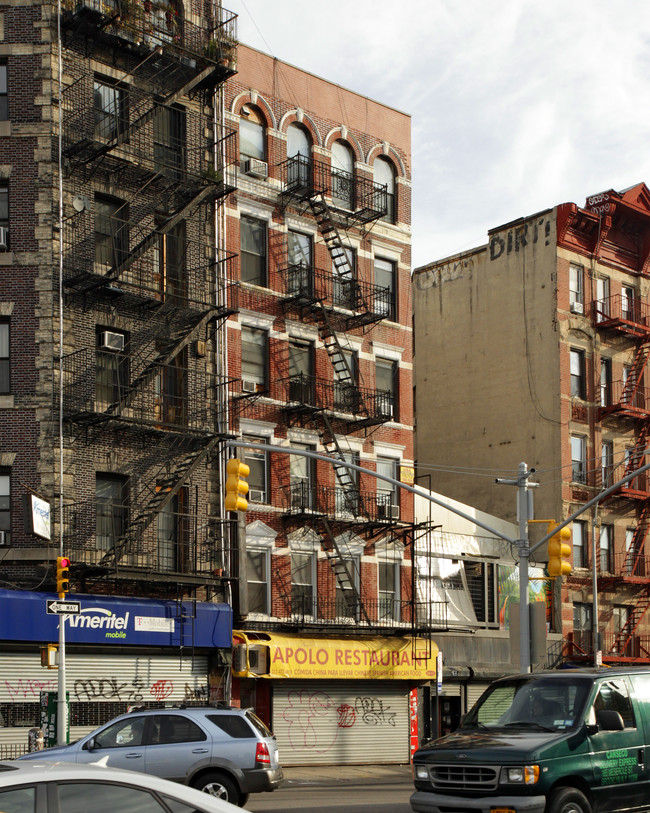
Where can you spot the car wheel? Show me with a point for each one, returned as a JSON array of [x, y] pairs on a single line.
[[568, 800], [219, 785]]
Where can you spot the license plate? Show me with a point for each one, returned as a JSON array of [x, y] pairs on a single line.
[[502, 810]]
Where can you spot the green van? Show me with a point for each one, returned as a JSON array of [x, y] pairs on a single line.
[[569, 741]]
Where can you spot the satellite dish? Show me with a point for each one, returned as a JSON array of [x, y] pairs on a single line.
[[80, 203]]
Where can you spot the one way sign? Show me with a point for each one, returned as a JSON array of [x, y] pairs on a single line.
[[57, 607]]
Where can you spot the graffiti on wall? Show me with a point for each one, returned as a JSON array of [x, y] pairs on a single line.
[[519, 237], [104, 689], [435, 277]]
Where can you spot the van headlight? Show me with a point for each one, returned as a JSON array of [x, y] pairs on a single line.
[[521, 775], [420, 771]]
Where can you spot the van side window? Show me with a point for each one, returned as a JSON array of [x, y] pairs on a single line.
[[613, 695]]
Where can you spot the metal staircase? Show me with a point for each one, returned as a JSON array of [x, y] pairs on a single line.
[[631, 625]]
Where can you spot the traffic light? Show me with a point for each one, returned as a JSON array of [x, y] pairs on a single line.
[[558, 551], [236, 485], [62, 574]]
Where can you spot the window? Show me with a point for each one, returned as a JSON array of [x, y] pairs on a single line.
[[256, 459], [5, 507], [300, 278], [342, 175], [170, 388], [347, 485], [111, 368], [253, 250], [388, 590], [173, 534], [111, 112], [385, 288], [386, 388], [301, 371], [607, 463], [346, 390], [629, 305], [254, 356], [481, 585], [169, 261], [577, 364], [169, 140], [5, 370], [18, 800], [345, 275], [635, 561], [576, 288], [387, 493], [107, 798], [302, 478], [580, 543], [252, 134], [299, 158], [614, 696], [384, 175], [620, 616], [122, 734], [602, 298], [583, 626], [605, 382], [4, 106], [303, 583], [578, 459], [112, 510], [347, 587], [5, 244], [607, 548], [111, 231], [257, 576], [174, 728]]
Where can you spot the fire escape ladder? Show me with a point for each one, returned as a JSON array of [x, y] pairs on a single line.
[[344, 571], [175, 344], [631, 625], [349, 490], [343, 270], [150, 240], [635, 375], [162, 489], [633, 558]]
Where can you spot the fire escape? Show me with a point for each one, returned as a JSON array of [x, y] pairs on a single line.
[[336, 301], [629, 405], [146, 256]]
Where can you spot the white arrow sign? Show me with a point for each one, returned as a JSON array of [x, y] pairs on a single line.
[[56, 607]]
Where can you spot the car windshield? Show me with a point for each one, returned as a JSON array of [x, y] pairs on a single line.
[[535, 703]]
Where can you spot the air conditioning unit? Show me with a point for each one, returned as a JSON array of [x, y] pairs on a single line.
[[386, 511], [385, 410], [248, 386], [577, 307], [394, 511], [112, 341], [4, 238], [3, 537], [256, 495], [258, 659], [255, 168]]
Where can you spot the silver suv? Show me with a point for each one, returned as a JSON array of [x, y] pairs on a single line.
[[227, 752]]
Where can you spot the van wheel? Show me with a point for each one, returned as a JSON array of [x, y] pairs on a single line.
[[568, 800], [219, 785]]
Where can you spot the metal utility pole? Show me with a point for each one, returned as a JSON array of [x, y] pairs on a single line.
[[525, 513]]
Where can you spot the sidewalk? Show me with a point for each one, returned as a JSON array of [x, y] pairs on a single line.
[[326, 775]]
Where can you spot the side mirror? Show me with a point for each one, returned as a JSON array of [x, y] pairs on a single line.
[[609, 720], [90, 745]]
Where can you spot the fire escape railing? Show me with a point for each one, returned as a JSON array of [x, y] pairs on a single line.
[[622, 313], [355, 505], [310, 393]]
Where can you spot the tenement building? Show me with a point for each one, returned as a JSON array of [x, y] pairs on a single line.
[[533, 348]]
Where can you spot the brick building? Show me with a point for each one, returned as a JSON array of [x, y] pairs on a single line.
[[534, 348], [319, 358]]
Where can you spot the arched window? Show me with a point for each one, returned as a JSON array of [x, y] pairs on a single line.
[[252, 134], [298, 158], [384, 174], [342, 175]]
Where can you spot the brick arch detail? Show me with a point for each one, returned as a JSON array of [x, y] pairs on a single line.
[[388, 152], [255, 100], [343, 134], [292, 117]]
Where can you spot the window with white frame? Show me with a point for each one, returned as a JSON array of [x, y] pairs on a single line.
[[607, 463], [303, 583], [252, 134], [580, 543], [577, 365], [300, 274], [342, 175], [388, 592], [346, 390], [347, 587], [111, 110], [345, 290], [5, 358], [347, 486], [257, 460], [602, 298], [385, 288], [384, 174], [628, 304], [299, 157], [252, 259], [257, 580], [254, 358], [5, 506], [387, 493], [386, 373], [576, 288], [583, 625], [302, 478], [578, 459], [605, 382], [607, 548]]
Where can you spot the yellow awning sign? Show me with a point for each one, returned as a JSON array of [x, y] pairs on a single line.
[[292, 656]]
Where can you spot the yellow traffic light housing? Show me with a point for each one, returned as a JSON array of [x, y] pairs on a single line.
[[236, 485], [62, 574], [558, 552]]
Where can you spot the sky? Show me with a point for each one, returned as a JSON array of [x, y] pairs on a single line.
[[516, 105]]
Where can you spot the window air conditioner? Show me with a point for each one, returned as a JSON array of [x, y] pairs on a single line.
[[4, 238], [112, 341], [258, 659], [256, 495], [3, 537], [577, 307], [248, 386], [386, 511], [385, 410], [255, 168], [394, 511]]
